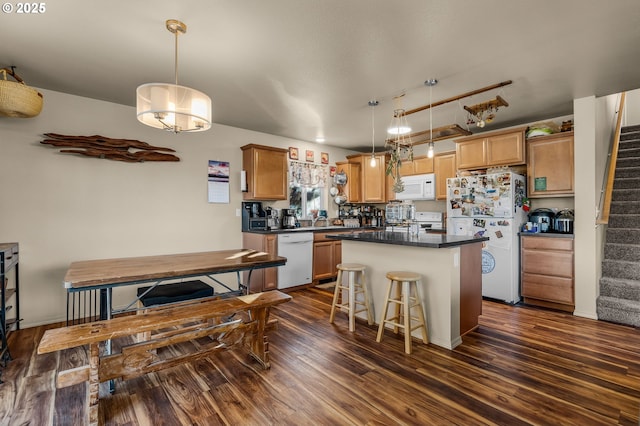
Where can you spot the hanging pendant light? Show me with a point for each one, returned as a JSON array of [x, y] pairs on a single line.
[[373, 162], [399, 125], [170, 106], [430, 83]]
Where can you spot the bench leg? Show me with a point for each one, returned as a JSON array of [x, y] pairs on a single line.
[[144, 336], [94, 383], [259, 342]]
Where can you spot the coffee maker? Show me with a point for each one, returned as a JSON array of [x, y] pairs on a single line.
[[273, 219], [288, 218], [254, 218]]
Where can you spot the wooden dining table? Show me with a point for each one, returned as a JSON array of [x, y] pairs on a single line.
[[87, 277], [105, 274]]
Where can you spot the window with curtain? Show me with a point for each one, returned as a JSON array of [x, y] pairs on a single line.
[[307, 188]]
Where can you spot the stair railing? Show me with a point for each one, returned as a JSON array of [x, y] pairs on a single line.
[[607, 185]]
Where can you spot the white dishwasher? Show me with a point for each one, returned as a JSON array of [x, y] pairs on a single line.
[[297, 247]]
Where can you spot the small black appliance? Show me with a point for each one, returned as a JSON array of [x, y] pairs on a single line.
[[254, 218], [288, 219], [544, 218]]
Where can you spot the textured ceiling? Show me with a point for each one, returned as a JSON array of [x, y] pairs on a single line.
[[307, 68]]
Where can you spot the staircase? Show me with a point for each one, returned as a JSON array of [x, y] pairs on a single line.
[[619, 299]]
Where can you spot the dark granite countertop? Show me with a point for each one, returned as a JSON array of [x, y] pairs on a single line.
[[545, 234], [333, 228], [428, 240]]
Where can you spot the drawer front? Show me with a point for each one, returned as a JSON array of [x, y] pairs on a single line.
[[319, 236], [549, 243], [555, 263], [322, 236], [544, 287]]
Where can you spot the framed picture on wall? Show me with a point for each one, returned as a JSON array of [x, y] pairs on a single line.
[[293, 153], [324, 157], [310, 155]]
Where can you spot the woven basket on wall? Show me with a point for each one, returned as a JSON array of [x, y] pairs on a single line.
[[16, 98]]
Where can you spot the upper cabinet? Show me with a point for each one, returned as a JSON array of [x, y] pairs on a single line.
[[550, 165], [444, 167], [419, 166], [502, 148], [352, 189], [373, 183], [266, 169], [374, 180]]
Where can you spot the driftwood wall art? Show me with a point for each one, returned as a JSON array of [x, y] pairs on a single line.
[[128, 150]]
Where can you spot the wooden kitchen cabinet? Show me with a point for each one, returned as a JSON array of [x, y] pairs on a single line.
[[550, 165], [504, 148], [352, 189], [266, 170], [419, 166], [261, 279], [548, 271], [373, 183], [327, 254], [444, 167], [324, 264]]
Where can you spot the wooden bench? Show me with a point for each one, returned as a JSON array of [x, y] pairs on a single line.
[[223, 324]]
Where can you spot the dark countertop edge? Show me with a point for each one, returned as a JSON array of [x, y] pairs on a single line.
[[545, 234], [317, 229], [406, 240]]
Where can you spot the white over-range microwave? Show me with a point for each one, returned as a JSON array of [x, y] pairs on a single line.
[[418, 187]]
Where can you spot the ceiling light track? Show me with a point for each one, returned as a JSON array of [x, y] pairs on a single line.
[[455, 98]]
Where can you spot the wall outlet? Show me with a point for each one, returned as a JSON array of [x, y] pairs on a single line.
[[238, 213]]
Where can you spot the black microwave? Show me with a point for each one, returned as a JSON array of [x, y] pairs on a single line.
[[258, 224]]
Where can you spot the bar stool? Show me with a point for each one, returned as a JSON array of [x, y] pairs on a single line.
[[353, 288], [404, 282]]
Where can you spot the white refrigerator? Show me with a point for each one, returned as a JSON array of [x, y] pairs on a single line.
[[491, 205]]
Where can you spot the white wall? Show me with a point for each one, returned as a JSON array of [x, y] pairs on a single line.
[[595, 127], [63, 208], [586, 197], [631, 115]]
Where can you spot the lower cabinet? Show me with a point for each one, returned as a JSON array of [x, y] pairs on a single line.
[[261, 279], [548, 272], [327, 254]]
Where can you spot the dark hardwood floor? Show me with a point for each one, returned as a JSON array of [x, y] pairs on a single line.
[[521, 366]]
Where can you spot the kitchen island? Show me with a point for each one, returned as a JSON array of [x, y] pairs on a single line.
[[451, 267]]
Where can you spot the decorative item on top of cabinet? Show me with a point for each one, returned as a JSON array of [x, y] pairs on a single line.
[[261, 279], [503, 148], [550, 165], [266, 169], [548, 271], [444, 166]]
